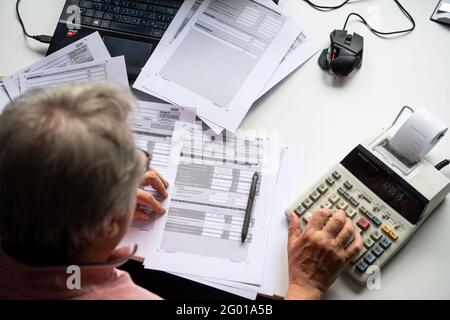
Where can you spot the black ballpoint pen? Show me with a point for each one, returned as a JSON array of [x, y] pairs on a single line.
[[249, 208]]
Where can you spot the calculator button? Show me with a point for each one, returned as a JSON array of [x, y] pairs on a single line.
[[386, 229], [307, 203], [307, 217], [362, 266], [314, 196], [376, 221], [322, 188], [368, 243], [370, 258], [334, 199], [326, 205], [336, 175], [363, 223], [341, 191], [393, 235], [347, 196], [330, 181], [385, 243], [342, 205], [348, 185], [354, 202], [377, 251], [350, 213], [300, 210], [358, 255], [376, 235], [369, 215], [363, 210]]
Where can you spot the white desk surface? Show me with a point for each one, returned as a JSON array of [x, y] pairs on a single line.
[[327, 119]]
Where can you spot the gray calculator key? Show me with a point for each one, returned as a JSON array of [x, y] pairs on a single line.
[[354, 202], [326, 205], [334, 199], [330, 181], [307, 203], [336, 175], [341, 191], [376, 235], [368, 243], [314, 196], [348, 185], [300, 210], [347, 196], [322, 188], [350, 213], [342, 205]]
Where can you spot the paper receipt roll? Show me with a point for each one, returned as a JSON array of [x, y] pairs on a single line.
[[418, 135]]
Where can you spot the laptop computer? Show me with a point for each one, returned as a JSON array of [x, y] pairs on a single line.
[[131, 28]]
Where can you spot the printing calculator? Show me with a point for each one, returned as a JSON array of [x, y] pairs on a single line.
[[386, 199]]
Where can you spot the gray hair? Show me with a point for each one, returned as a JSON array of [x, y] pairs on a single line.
[[68, 164]]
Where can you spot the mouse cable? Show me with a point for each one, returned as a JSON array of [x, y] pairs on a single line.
[[375, 31], [41, 38], [442, 164]]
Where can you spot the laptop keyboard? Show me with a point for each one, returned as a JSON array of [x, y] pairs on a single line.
[[144, 17]]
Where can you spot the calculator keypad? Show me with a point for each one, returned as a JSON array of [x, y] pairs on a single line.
[[368, 220]]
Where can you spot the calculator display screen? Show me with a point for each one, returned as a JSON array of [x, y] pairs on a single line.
[[385, 183]]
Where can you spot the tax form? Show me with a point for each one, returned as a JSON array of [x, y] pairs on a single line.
[[105, 70], [302, 49], [232, 48], [87, 49], [153, 125], [201, 233], [275, 268], [4, 98]]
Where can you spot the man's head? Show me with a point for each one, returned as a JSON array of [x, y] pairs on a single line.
[[68, 173]]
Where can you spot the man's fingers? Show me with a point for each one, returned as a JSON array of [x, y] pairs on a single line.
[[164, 181], [141, 215], [294, 230], [146, 199], [320, 218], [336, 223], [151, 178], [355, 246], [345, 234]]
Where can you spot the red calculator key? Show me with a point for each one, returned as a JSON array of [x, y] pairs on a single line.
[[363, 223]]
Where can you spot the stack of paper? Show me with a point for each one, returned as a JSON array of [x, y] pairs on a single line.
[[199, 237], [222, 55], [84, 60]]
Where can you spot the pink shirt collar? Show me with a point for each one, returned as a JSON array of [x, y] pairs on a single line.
[[22, 281]]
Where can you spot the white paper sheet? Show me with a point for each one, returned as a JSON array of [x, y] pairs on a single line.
[[152, 125], [200, 235], [275, 269], [87, 49], [110, 70], [237, 291], [244, 48], [4, 98]]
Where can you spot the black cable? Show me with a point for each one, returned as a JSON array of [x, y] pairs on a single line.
[[442, 164], [326, 8], [41, 38], [375, 31]]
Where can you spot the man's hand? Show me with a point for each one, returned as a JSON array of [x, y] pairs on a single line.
[[318, 254], [156, 181]]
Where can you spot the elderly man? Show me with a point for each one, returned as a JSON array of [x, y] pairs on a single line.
[[69, 177]]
